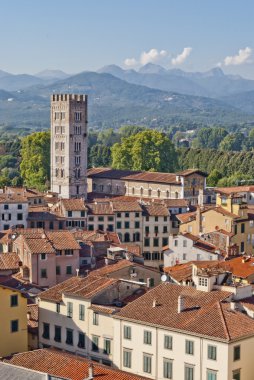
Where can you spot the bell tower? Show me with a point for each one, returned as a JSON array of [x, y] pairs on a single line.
[[69, 145]]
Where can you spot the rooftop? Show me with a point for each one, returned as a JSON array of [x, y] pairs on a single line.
[[204, 314], [66, 365], [9, 261]]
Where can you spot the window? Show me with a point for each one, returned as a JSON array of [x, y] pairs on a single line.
[[101, 218], [110, 218], [165, 229], [20, 216], [127, 215], [58, 333], [14, 300], [69, 214], [175, 243], [69, 309], [189, 347], [81, 312], [68, 269], [19, 207], [165, 218], [136, 214], [44, 273], [137, 225], [69, 252], [236, 375], [188, 372], [118, 224], [126, 224], [156, 242], [95, 319], [95, 343], [167, 369], [156, 229], [147, 229], [58, 307], [81, 340], [147, 242], [14, 326], [147, 337], [211, 375], [242, 228], [212, 352], [127, 332], [6, 207], [107, 346], [184, 256], [242, 246], [127, 358], [147, 363], [202, 281], [119, 215], [43, 256], [77, 116], [168, 342], [185, 243], [69, 337], [237, 353], [45, 333], [189, 228], [156, 218], [58, 270], [127, 237]]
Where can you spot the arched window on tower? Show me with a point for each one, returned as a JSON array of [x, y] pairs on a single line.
[[57, 171], [127, 237], [167, 194], [62, 173], [158, 193]]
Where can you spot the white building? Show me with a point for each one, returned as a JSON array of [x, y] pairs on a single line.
[[186, 247], [175, 332], [13, 211]]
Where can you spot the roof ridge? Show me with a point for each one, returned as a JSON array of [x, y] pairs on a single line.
[[223, 318]]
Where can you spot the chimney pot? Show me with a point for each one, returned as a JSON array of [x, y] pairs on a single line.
[[154, 302], [91, 371], [180, 305]]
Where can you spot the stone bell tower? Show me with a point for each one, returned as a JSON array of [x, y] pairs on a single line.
[[69, 145]]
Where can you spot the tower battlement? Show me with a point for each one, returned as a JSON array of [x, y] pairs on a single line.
[[67, 97]]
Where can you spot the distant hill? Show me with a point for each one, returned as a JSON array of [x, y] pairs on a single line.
[[242, 100], [213, 83], [52, 75], [113, 102]]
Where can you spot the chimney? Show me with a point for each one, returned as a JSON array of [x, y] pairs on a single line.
[[77, 270], [154, 302], [90, 371], [232, 305], [180, 306], [106, 261]]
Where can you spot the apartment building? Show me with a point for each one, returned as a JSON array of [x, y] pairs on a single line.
[[76, 315], [175, 332], [13, 321], [100, 216], [48, 257], [186, 247], [185, 184], [73, 211], [13, 211]]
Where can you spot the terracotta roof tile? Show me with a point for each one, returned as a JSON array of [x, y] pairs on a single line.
[[205, 313], [86, 287], [62, 240], [133, 206], [73, 204], [234, 189], [187, 172], [65, 365], [9, 261], [154, 177], [32, 321], [155, 209], [100, 209]]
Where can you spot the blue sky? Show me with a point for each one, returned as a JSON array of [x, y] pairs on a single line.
[[78, 35]]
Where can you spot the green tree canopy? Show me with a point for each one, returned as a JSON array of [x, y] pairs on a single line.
[[99, 155], [209, 137], [147, 150], [35, 160], [232, 142]]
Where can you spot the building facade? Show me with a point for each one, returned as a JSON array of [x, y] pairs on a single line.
[[68, 145]]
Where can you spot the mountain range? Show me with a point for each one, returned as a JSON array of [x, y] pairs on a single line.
[[152, 96]]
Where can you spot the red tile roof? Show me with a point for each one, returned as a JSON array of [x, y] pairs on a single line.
[[9, 261], [155, 209], [234, 189], [62, 240], [73, 204], [204, 314], [65, 365], [32, 321], [104, 208], [155, 177], [133, 206], [187, 172], [86, 287]]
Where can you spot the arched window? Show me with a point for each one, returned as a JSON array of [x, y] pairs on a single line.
[[133, 190], [120, 236], [127, 237], [167, 194], [149, 192], [176, 195], [136, 236], [141, 191], [158, 193], [62, 173], [56, 172]]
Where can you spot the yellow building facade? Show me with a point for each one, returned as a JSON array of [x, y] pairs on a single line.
[[13, 321]]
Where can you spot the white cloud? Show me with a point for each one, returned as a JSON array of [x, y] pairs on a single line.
[[151, 56], [181, 57], [130, 62], [238, 59]]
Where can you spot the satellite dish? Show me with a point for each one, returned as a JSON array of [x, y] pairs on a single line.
[[164, 278]]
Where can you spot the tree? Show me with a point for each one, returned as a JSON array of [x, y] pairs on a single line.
[[35, 159], [214, 177], [147, 150], [108, 137], [128, 130], [209, 137], [232, 142], [99, 155]]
